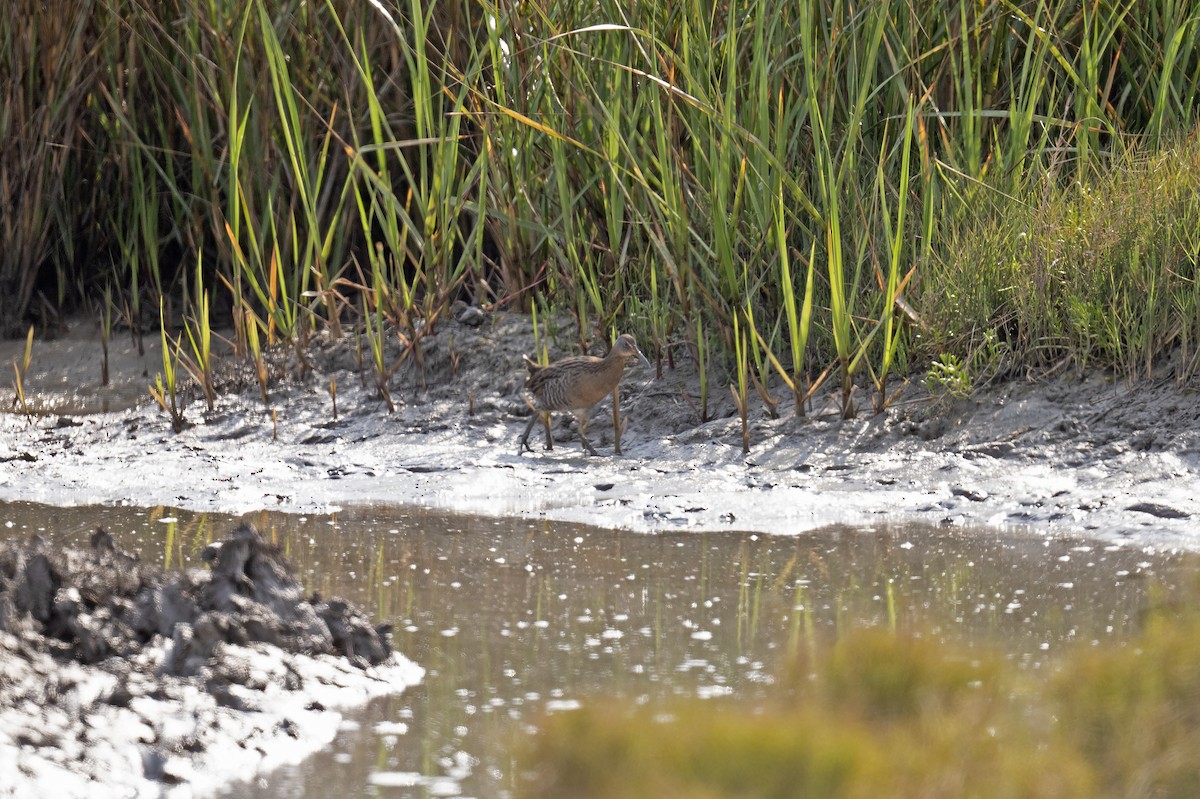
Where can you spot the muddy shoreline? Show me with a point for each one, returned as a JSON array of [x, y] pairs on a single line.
[[1077, 454]]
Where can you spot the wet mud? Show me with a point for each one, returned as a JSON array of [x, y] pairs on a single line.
[[118, 677], [1078, 453]]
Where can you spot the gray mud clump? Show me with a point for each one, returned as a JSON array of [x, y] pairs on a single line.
[[93, 641], [88, 605]]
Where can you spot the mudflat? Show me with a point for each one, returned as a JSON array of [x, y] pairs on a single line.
[[1076, 453]]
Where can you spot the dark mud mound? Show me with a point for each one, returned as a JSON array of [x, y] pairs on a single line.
[[88, 605], [116, 676]]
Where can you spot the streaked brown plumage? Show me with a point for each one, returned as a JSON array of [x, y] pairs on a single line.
[[575, 384]]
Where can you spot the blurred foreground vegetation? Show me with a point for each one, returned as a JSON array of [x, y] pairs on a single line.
[[886, 714], [802, 193]]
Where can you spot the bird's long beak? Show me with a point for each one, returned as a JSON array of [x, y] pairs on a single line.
[[642, 357]]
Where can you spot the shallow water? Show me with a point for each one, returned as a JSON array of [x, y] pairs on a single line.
[[513, 619]]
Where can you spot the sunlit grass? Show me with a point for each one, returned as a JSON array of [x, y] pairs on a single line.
[[1095, 273], [671, 170]]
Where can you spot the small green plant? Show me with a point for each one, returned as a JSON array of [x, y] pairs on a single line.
[[949, 375], [992, 358], [165, 390]]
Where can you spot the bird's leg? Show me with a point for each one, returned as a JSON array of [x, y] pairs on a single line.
[[581, 418], [524, 445], [549, 435]]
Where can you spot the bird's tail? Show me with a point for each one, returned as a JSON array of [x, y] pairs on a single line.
[[533, 366]]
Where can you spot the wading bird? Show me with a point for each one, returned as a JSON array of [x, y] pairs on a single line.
[[575, 384]]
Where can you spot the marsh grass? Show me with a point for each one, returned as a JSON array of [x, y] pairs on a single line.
[[47, 82], [1094, 273], [674, 171]]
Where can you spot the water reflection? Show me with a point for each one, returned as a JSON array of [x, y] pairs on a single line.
[[513, 619]]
